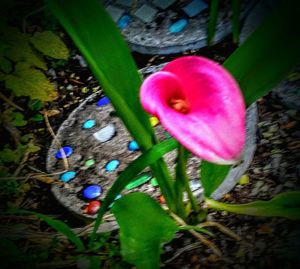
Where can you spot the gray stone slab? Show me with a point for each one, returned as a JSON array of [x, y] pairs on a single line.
[[146, 13], [163, 4], [115, 12]]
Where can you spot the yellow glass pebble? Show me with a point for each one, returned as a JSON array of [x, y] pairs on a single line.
[[154, 121], [244, 180]]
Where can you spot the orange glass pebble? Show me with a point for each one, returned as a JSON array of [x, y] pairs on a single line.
[[161, 199], [92, 208]]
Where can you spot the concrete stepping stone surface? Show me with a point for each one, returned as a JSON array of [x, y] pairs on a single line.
[[95, 163]]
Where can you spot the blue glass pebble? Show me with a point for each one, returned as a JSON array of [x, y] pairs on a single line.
[[67, 176], [103, 101], [92, 191], [88, 124], [112, 165], [124, 21], [133, 146], [68, 152], [117, 197], [178, 26]]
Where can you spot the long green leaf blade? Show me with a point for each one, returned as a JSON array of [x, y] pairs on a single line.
[[236, 20], [212, 21], [212, 175], [138, 165], [269, 53], [142, 229], [285, 205], [58, 225], [100, 41]]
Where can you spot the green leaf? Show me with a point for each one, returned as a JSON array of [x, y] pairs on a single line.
[[18, 49], [102, 45], [50, 44], [37, 117], [25, 138], [212, 21], [33, 148], [137, 166], [35, 104], [19, 119], [212, 175], [5, 65], [267, 56], [142, 229], [236, 20], [31, 82], [285, 205], [58, 225], [8, 155]]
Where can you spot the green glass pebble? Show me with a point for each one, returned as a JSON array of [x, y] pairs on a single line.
[[154, 182], [138, 181], [89, 163]]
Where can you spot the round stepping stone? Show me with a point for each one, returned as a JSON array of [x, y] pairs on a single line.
[[92, 191], [67, 176], [89, 163], [133, 146], [112, 165], [106, 133], [178, 26], [103, 101], [124, 21], [92, 207], [89, 124], [68, 152], [138, 181]]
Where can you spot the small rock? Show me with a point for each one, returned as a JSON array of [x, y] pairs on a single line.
[[195, 184], [112, 165], [106, 133], [257, 188], [92, 191], [69, 87], [89, 124], [67, 176], [67, 150], [81, 60]]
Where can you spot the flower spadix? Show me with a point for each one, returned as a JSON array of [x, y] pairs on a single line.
[[200, 104]]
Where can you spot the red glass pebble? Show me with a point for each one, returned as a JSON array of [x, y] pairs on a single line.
[[92, 208]]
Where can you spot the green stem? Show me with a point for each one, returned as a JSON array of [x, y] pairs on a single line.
[[236, 20], [238, 209], [195, 228], [182, 177], [213, 16]]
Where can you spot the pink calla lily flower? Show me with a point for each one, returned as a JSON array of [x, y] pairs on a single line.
[[200, 104]]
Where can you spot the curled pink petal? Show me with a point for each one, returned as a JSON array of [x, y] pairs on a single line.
[[200, 104]]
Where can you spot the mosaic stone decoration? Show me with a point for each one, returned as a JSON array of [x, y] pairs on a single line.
[[168, 26], [95, 163]]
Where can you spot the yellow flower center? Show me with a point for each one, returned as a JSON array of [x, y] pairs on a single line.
[[180, 105]]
